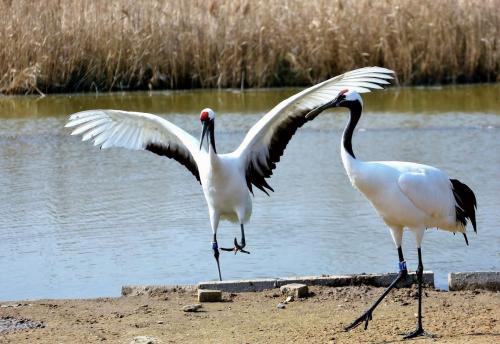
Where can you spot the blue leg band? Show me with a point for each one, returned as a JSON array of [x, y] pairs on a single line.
[[215, 246], [402, 266]]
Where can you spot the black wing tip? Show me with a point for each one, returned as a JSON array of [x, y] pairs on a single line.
[[466, 204], [466, 240], [270, 189], [263, 186]]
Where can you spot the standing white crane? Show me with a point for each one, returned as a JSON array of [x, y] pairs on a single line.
[[226, 179], [405, 194]]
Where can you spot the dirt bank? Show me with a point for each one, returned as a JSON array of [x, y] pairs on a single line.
[[455, 317]]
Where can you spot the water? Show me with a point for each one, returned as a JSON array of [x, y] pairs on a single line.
[[79, 222]]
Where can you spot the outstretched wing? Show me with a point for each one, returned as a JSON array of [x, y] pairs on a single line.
[[138, 131], [266, 141]]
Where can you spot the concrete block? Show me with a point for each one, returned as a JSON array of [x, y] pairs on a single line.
[[206, 295], [296, 290], [376, 280], [240, 286], [488, 280]]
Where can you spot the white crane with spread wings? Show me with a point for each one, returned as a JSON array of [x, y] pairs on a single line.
[[226, 179]]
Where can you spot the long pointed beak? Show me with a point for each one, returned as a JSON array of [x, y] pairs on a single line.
[[315, 112], [204, 132]]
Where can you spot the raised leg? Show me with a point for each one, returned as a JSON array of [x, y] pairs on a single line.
[[367, 316], [243, 243], [237, 247]]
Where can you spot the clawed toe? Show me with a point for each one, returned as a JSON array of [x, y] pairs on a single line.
[[237, 247], [419, 332], [366, 317]]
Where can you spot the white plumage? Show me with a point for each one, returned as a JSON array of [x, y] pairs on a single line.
[[405, 194], [227, 179]]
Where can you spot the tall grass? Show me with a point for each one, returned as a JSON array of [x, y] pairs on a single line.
[[58, 45]]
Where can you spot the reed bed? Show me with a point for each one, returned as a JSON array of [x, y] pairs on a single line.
[[58, 45]]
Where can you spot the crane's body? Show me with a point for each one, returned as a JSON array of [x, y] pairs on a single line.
[[227, 179], [224, 186], [405, 195]]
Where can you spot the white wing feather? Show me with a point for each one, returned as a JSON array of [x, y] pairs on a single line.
[[266, 140], [136, 130], [359, 80], [430, 191]]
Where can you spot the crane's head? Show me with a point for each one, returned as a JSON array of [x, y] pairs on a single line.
[[345, 98], [207, 115], [207, 118]]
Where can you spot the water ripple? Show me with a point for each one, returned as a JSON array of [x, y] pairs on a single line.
[[79, 222]]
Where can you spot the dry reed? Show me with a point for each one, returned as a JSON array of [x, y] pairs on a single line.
[[58, 45]]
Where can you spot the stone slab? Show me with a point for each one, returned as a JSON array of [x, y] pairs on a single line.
[[376, 280], [488, 280], [254, 285]]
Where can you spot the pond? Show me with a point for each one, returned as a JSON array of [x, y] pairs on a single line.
[[79, 222]]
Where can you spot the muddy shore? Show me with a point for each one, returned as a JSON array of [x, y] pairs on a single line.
[[454, 317]]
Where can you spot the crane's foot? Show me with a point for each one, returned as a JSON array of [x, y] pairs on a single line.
[[237, 247], [366, 317], [419, 332], [215, 248]]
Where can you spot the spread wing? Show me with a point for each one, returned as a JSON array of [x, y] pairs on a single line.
[[138, 131], [266, 141]]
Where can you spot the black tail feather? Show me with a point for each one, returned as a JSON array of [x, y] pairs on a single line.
[[466, 204]]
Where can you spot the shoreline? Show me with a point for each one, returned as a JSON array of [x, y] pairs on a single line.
[[471, 316], [457, 281]]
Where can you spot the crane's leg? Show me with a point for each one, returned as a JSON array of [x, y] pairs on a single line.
[[420, 272], [215, 248], [367, 316], [237, 247], [214, 221]]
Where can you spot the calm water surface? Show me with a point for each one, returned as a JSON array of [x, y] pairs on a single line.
[[79, 222]]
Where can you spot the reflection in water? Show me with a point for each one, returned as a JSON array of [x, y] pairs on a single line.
[[79, 222]]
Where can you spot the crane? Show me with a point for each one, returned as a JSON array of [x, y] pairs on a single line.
[[405, 195], [227, 180]]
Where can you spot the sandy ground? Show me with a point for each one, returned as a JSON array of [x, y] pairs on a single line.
[[454, 317]]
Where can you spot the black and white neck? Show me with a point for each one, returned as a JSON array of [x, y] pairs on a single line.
[[353, 166], [356, 107], [211, 138]]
